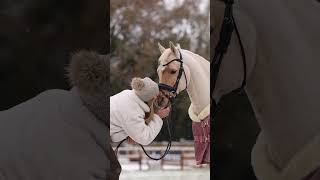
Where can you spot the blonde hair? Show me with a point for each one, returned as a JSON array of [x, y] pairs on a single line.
[[149, 115]]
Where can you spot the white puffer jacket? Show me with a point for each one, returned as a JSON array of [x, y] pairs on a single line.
[[127, 112]]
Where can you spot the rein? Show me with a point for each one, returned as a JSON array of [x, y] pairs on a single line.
[[228, 26], [145, 152]]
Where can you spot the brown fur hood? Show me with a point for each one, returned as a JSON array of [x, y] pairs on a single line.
[[88, 71]]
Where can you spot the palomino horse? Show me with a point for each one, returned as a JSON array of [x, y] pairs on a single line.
[[281, 42], [196, 80]]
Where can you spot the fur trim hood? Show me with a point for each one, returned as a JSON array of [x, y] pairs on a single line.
[[88, 71]]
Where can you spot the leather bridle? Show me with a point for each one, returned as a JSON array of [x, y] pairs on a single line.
[[173, 89], [228, 26]]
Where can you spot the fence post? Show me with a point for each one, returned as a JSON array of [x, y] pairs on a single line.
[[181, 160], [140, 160]]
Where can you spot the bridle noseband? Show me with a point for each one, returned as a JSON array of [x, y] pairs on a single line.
[[228, 25], [170, 89]]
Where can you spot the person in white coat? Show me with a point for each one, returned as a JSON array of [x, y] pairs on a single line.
[[128, 111]]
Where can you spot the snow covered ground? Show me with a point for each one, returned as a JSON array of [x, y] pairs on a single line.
[[190, 174], [179, 164], [151, 170]]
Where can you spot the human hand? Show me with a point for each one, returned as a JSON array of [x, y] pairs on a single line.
[[164, 112]]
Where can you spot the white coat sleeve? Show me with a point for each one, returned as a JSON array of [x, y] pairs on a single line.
[[135, 127]]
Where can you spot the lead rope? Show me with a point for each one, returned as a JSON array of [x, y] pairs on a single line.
[[169, 143], [145, 152]]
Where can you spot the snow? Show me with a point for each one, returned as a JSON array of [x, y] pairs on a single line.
[[191, 174], [151, 170], [169, 168]]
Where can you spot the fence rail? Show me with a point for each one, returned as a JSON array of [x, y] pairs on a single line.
[[178, 155]]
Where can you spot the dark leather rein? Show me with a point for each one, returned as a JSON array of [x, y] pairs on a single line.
[[228, 26]]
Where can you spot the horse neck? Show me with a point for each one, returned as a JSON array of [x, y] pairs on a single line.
[[199, 84]]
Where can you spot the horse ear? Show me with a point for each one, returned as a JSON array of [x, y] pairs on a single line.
[[173, 48], [161, 48]]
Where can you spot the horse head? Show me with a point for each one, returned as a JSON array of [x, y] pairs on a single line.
[[168, 74], [169, 67]]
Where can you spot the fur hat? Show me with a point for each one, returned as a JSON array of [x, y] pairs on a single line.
[[145, 88], [88, 71]]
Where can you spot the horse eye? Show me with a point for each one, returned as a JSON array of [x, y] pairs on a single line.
[[173, 71]]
